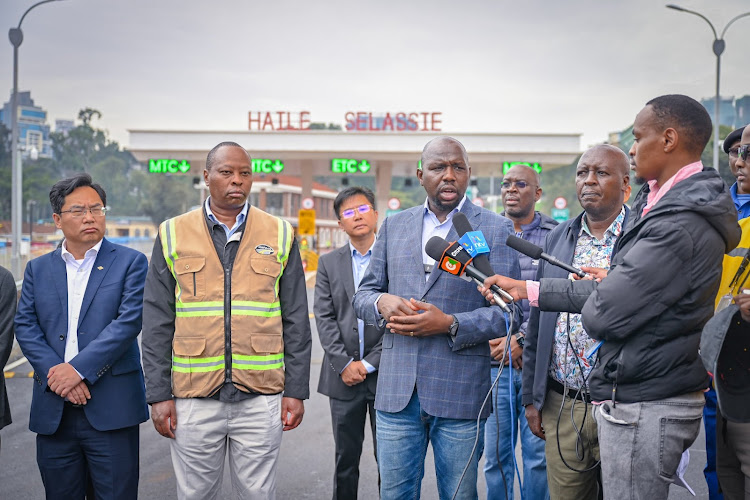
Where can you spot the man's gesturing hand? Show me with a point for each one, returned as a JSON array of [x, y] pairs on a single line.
[[425, 320], [164, 416], [393, 305]]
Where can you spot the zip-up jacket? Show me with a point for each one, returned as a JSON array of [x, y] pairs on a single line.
[[234, 321]]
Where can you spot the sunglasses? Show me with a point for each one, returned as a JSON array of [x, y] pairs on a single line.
[[740, 152], [519, 184], [351, 212]]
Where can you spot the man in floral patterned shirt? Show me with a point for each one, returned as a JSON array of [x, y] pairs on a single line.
[[558, 355]]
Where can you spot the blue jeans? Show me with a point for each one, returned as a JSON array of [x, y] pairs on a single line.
[[709, 421], [402, 445], [498, 447]]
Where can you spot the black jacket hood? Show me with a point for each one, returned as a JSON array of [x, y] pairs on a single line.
[[707, 195]]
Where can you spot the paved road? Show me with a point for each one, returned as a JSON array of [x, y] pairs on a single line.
[[306, 463]]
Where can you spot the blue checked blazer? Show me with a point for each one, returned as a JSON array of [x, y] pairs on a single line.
[[452, 379]]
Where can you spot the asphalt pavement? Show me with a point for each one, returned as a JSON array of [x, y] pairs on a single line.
[[305, 465]]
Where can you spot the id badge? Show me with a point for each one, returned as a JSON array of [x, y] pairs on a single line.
[[724, 302]]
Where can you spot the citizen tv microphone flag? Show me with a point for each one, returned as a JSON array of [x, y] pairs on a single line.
[[452, 257], [481, 261]]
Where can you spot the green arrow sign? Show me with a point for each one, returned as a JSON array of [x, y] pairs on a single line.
[[166, 166], [507, 165], [349, 166], [264, 166]]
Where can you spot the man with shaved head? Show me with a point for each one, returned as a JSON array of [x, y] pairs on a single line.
[[435, 361], [555, 367]]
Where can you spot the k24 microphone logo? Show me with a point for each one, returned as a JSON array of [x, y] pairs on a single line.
[[451, 266]]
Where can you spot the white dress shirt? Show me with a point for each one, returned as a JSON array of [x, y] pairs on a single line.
[[78, 272]]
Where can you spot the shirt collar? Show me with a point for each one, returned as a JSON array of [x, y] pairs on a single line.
[[450, 215], [66, 256], [355, 252], [240, 217], [614, 229]]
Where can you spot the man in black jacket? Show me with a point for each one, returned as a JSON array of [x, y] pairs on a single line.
[[652, 306]]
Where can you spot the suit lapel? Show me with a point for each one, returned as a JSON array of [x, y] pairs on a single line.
[[102, 265], [347, 276], [60, 279], [472, 214]]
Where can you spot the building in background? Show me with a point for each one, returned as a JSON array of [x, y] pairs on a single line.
[[33, 130], [733, 112], [64, 126]]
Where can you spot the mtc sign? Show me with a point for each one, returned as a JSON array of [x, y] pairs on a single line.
[[163, 166], [349, 166]]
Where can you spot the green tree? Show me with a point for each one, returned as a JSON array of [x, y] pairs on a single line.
[[167, 196]]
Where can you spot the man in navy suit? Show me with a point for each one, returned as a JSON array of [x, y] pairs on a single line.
[[77, 323], [435, 363]]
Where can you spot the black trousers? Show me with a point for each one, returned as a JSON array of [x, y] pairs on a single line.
[[77, 456], [348, 418]]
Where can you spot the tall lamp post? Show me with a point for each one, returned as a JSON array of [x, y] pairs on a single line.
[[16, 205], [719, 46]]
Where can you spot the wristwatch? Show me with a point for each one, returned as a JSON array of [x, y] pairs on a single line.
[[521, 339], [454, 327]]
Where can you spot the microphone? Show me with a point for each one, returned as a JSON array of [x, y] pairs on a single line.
[[480, 249], [453, 259], [535, 252]]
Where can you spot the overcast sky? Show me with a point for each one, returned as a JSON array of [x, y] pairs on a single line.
[[568, 66]]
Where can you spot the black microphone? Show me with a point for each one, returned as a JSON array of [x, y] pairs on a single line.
[[481, 261], [453, 259], [535, 252]]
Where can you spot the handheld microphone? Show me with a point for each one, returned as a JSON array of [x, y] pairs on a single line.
[[535, 252], [481, 249], [453, 259]]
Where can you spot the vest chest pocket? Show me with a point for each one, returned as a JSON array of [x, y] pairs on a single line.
[[191, 277], [266, 271]]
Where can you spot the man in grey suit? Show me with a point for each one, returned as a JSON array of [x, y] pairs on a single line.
[[7, 312], [352, 349], [435, 365]]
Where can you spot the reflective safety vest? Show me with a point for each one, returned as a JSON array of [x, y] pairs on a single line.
[[732, 278], [218, 321]]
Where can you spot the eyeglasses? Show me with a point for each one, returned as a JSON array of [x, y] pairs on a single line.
[[740, 152], [351, 212], [518, 184], [80, 212]]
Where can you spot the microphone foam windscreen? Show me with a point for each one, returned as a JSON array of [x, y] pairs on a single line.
[[435, 247], [523, 246], [461, 223]]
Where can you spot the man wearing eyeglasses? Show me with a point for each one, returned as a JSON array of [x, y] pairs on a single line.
[[349, 374], [519, 191], [77, 323]]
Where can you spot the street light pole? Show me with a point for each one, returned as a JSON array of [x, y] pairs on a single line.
[[718, 47], [16, 205]]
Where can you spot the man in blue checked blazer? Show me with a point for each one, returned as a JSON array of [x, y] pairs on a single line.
[[435, 362]]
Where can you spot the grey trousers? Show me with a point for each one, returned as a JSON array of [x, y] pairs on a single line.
[[249, 430], [641, 444], [733, 458]]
